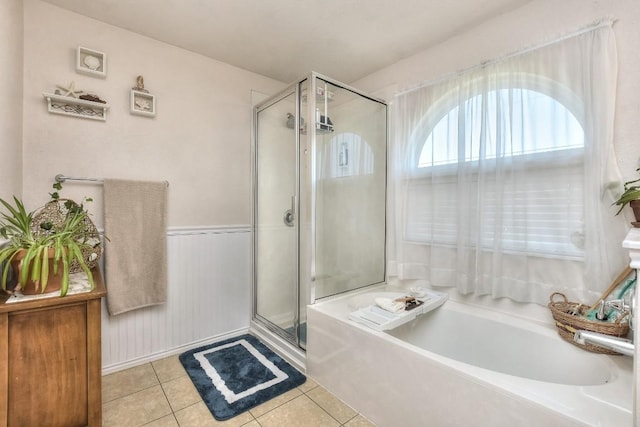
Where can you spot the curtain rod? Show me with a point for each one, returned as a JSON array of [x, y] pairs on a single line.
[[62, 178], [605, 22]]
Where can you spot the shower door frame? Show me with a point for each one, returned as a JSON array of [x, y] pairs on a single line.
[[292, 89], [309, 202], [311, 89]]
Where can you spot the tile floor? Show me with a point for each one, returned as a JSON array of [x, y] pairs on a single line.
[[160, 394]]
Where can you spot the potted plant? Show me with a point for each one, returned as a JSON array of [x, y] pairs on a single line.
[[631, 197], [41, 251]]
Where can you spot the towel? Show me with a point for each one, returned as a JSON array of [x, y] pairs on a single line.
[[390, 305], [135, 224]]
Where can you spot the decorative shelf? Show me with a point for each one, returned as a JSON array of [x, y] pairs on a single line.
[[69, 106]]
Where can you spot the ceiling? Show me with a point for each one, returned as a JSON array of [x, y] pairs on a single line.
[[286, 39]]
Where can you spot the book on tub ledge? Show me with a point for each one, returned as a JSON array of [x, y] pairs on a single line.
[[385, 313]]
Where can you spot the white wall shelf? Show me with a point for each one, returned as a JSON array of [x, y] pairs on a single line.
[[69, 106]]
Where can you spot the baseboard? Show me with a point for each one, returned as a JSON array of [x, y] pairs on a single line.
[[170, 352]]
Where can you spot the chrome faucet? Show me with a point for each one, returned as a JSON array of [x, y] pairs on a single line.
[[617, 304], [620, 345]]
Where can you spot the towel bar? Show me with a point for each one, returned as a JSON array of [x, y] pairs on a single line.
[[62, 178]]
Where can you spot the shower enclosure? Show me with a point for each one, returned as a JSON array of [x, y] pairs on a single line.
[[319, 191]]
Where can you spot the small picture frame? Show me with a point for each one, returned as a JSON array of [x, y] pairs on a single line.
[[143, 103], [91, 62]]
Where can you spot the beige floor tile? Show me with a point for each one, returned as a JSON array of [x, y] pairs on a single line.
[[334, 406], [299, 412], [168, 421], [275, 402], [181, 393], [161, 394], [126, 382], [169, 368], [198, 415], [308, 385], [136, 409], [359, 421]]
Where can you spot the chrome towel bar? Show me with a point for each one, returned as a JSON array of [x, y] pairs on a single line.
[[62, 178]]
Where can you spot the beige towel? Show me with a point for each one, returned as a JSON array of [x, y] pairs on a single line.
[[135, 222]]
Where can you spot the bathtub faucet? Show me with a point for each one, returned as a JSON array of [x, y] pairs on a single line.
[[620, 345], [617, 304]]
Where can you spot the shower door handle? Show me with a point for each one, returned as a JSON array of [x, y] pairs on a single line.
[[290, 214]]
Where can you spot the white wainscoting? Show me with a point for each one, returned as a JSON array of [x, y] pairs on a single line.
[[208, 299]]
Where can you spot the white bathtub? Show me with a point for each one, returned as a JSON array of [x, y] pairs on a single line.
[[464, 365]]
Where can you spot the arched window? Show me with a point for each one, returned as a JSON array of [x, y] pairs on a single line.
[[537, 123], [503, 175], [513, 155]]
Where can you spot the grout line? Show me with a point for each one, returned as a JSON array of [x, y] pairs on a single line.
[[351, 419], [327, 412], [131, 394], [173, 414]]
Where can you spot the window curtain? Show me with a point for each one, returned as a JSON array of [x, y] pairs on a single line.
[[496, 217]]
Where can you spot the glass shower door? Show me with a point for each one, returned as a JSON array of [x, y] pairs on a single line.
[[275, 221], [349, 205]]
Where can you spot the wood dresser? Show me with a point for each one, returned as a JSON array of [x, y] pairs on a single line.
[[51, 360]]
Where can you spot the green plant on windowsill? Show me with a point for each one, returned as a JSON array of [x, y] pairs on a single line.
[[631, 197], [42, 251]]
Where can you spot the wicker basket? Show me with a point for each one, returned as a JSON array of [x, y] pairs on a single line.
[[55, 212], [571, 316]]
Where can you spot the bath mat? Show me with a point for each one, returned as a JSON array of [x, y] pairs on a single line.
[[237, 374]]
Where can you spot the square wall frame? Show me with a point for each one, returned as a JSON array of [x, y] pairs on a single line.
[[91, 62], [143, 103]]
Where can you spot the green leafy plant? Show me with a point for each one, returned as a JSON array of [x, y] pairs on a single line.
[[45, 246], [631, 193]]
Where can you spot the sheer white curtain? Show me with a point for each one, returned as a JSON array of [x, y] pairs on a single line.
[[501, 175]]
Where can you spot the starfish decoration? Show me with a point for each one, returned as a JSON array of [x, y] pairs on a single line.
[[71, 90]]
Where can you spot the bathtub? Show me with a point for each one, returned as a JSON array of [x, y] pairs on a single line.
[[463, 365]]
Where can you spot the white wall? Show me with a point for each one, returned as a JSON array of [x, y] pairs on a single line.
[[11, 108], [199, 140], [535, 23]]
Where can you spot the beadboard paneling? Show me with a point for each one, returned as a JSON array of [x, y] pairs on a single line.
[[208, 299]]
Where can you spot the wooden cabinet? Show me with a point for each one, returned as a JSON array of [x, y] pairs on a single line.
[[51, 361]]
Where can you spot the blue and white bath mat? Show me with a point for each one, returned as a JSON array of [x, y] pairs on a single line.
[[237, 374]]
